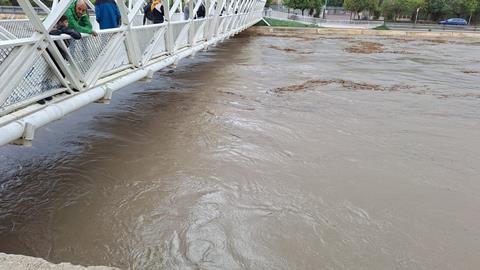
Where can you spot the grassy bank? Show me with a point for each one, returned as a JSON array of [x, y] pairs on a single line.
[[283, 23], [382, 27]]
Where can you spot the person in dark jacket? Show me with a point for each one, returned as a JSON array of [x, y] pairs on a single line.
[[107, 14], [154, 12], [186, 11], [201, 11], [62, 28]]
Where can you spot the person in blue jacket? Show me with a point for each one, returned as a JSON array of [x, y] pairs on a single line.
[[107, 14]]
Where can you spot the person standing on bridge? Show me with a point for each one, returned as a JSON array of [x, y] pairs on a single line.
[[201, 11], [78, 18], [107, 14], [154, 12], [186, 11]]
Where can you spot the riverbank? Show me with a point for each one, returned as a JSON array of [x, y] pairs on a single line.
[[360, 32], [20, 262]]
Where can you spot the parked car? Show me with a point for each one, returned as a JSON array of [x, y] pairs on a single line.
[[454, 21]]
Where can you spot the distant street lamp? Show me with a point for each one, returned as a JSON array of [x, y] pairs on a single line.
[[416, 16], [324, 9]]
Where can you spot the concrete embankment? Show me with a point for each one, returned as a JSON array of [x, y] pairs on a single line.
[[361, 32], [20, 262]]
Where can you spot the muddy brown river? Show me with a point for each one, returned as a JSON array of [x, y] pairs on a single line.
[[266, 152]]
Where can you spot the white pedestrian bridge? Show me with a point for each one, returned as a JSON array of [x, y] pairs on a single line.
[[32, 67]]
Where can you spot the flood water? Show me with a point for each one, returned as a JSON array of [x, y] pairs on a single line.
[[264, 153]]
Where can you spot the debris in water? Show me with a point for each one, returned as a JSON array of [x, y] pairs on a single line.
[[399, 52], [282, 49], [471, 71], [232, 94], [351, 85], [437, 41], [285, 35], [287, 49], [344, 83], [365, 47]]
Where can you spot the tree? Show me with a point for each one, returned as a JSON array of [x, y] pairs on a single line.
[[394, 8], [317, 6], [303, 5], [335, 3], [471, 6], [297, 4], [414, 4], [353, 5], [314, 6], [414, 7], [437, 9], [456, 7], [289, 3], [357, 6]]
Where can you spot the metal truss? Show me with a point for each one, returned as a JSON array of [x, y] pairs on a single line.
[[32, 67]]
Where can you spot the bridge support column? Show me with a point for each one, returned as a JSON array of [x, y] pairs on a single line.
[[149, 76], [107, 98], [170, 46], [175, 63], [191, 29], [27, 137]]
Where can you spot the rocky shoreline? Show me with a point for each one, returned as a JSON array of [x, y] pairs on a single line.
[[20, 262]]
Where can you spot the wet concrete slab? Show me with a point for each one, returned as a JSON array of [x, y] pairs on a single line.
[[20, 262]]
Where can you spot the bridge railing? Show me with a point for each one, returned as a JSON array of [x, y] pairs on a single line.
[[18, 10], [32, 66]]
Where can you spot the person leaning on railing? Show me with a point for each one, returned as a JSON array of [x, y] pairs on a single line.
[[61, 27], [78, 18]]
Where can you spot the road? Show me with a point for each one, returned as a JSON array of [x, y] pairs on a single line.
[[432, 27]]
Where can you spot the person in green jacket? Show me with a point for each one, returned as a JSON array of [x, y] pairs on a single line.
[[78, 18]]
